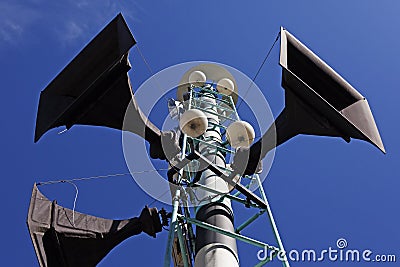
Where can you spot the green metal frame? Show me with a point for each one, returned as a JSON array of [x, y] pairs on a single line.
[[178, 219], [240, 237]]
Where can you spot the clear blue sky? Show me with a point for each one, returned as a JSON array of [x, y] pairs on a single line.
[[320, 189]]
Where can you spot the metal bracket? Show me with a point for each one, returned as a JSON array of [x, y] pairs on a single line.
[[228, 178]]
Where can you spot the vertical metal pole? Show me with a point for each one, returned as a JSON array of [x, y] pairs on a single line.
[[175, 204], [272, 221], [182, 242], [171, 233], [214, 249]]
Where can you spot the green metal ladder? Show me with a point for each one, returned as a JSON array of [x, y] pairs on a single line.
[[181, 220]]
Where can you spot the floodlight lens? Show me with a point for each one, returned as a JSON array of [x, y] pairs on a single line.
[[240, 134], [193, 122], [225, 86], [197, 78]]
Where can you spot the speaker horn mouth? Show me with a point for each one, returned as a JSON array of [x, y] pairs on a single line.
[[225, 86], [213, 73], [193, 122], [319, 101], [240, 134]]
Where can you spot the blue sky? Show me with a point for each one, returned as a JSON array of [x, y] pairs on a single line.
[[320, 189]]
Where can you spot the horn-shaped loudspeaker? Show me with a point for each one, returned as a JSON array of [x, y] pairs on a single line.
[[240, 134], [193, 122], [318, 101], [201, 73], [94, 88], [62, 237]]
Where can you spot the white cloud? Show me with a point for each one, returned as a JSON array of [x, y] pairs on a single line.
[[10, 31], [72, 31], [15, 19], [67, 21], [82, 3]]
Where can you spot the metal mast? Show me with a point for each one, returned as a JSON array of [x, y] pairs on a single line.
[[203, 177], [214, 249]]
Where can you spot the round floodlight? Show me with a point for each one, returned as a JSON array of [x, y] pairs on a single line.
[[225, 86], [197, 78], [193, 122], [240, 134]]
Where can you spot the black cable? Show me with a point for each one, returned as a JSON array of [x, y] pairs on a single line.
[[259, 69]]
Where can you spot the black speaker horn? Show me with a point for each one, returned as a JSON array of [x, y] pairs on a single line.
[[62, 237], [94, 88], [318, 101]]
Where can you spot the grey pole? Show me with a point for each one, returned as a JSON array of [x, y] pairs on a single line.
[[214, 249]]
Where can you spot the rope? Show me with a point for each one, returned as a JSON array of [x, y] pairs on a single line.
[[158, 198], [150, 70], [259, 69], [96, 177], [74, 205], [144, 60], [71, 182]]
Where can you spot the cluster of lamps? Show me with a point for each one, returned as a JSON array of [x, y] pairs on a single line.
[[194, 123]]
